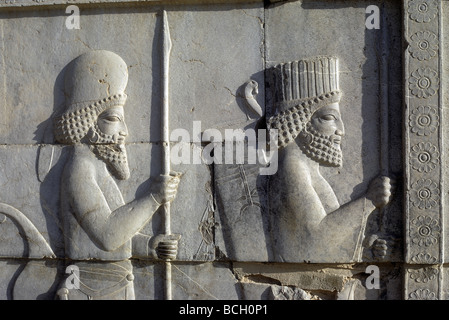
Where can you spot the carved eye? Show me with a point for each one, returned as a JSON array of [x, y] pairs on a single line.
[[328, 117], [112, 118]]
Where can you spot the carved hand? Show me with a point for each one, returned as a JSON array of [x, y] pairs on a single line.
[[166, 187], [165, 246], [380, 191], [379, 248]]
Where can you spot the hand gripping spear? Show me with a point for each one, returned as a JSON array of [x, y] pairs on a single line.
[[165, 53]]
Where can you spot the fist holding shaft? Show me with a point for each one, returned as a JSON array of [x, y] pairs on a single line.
[[166, 187]]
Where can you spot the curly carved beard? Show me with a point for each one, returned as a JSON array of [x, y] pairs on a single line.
[[320, 147], [112, 153]]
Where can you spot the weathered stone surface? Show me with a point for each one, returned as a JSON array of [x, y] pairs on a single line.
[[201, 89], [38, 280], [353, 207], [188, 280], [21, 181], [342, 282], [222, 284], [34, 200], [242, 232], [357, 51]]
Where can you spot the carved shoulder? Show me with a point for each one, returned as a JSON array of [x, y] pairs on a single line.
[[295, 172], [297, 197], [78, 170]]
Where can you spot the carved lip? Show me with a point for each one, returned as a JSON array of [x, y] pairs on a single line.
[[121, 140], [116, 147], [336, 139]]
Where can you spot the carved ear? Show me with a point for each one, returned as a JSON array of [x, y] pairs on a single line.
[[306, 137], [92, 135]]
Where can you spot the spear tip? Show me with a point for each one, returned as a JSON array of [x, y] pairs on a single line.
[[166, 32]]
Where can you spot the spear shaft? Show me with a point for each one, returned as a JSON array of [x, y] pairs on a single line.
[[384, 101], [384, 104], [166, 49]]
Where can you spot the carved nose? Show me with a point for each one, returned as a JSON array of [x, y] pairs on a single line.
[[122, 134], [339, 132], [124, 131]]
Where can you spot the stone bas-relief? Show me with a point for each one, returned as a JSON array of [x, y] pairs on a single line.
[[97, 223], [294, 214], [52, 158], [308, 232], [308, 223]]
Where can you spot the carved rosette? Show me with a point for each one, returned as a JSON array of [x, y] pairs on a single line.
[[423, 215]]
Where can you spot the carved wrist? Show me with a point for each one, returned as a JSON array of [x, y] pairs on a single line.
[[155, 200]]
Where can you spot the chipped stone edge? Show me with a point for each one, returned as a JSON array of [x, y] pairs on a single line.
[[45, 3]]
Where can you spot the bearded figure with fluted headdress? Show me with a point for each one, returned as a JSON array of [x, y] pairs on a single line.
[[307, 221]]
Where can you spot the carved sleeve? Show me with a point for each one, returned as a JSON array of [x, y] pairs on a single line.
[[141, 247], [108, 229]]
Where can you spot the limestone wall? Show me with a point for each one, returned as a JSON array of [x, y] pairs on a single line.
[[294, 226]]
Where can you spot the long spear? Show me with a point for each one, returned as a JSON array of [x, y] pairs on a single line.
[[384, 104], [165, 53], [382, 55]]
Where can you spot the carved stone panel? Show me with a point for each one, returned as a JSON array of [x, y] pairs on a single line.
[[210, 150], [321, 98], [88, 158]]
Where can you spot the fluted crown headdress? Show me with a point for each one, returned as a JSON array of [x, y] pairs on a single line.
[[299, 88]]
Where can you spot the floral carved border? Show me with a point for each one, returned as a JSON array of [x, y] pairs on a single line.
[[423, 108]]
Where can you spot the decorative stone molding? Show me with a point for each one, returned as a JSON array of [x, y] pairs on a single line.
[[423, 150]]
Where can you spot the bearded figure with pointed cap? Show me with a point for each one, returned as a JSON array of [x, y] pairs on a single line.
[[101, 231], [93, 86], [308, 223]]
